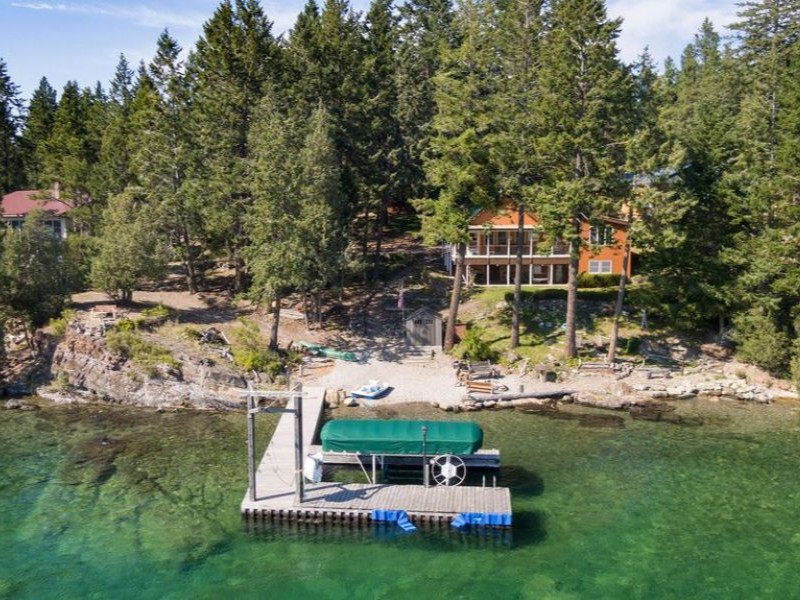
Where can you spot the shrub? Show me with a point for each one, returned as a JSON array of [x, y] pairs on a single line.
[[598, 280], [475, 347], [125, 325], [631, 345], [130, 344], [191, 333], [159, 312], [250, 351], [61, 324], [794, 366], [531, 296], [760, 342]]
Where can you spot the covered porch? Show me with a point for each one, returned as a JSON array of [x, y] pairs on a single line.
[[504, 274]]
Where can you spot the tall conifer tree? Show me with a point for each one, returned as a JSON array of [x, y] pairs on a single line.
[[38, 128], [460, 164], [11, 174], [586, 96], [426, 30], [235, 59]]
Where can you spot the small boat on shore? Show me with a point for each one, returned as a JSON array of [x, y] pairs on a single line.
[[371, 390]]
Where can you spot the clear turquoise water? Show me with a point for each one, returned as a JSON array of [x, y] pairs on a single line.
[[106, 502]]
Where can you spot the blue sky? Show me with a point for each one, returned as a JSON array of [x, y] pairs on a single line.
[[82, 39]]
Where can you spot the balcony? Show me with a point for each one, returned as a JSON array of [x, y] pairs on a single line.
[[528, 250]]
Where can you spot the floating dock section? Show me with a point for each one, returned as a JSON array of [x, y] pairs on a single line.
[[276, 500]]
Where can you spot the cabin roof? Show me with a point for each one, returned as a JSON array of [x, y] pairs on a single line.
[[23, 202]]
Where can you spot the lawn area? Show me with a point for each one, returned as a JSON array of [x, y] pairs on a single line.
[[543, 316]]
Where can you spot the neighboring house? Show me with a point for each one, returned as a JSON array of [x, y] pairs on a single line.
[[17, 205], [492, 250]]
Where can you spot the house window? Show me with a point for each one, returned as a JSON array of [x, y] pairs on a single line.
[[54, 227], [599, 266], [601, 236]]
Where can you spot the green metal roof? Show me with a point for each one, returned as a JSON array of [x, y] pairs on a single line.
[[401, 437]]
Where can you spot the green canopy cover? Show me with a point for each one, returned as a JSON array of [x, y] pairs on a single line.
[[401, 437]]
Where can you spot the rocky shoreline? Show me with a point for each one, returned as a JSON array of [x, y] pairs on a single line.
[[82, 368]]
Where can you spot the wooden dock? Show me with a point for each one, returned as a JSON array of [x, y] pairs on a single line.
[[331, 502]]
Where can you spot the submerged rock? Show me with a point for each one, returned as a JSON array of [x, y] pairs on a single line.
[[611, 421]]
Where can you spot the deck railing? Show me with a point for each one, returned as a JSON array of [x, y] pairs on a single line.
[[558, 249]]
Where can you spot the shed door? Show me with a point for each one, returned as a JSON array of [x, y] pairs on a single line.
[[423, 332]]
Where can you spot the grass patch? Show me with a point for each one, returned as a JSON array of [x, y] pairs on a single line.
[[251, 352], [61, 324], [130, 344]]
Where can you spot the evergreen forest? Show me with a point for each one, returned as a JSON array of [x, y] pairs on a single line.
[[286, 156]]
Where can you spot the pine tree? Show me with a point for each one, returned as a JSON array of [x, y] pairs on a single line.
[[130, 250], [460, 165], [163, 153], [32, 268], [11, 173], [326, 52], [426, 30], [685, 265], [650, 207], [517, 128], [37, 129], [70, 153], [114, 168], [763, 187], [236, 59], [585, 99], [296, 230], [382, 147]]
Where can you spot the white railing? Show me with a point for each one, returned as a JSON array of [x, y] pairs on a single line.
[[559, 249]]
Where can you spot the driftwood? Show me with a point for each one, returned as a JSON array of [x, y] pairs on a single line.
[[522, 395]]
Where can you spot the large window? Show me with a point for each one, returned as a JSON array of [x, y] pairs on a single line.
[[599, 266], [601, 236]]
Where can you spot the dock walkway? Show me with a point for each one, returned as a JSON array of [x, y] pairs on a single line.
[[352, 503]]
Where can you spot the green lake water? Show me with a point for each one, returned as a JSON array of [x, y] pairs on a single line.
[[107, 502]]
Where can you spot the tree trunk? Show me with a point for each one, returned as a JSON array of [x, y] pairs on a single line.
[[570, 345], [365, 244], [276, 315], [318, 305], [238, 269], [188, 261], [517, 306], [379, 225], [455, 298], [623, 279], [305, 310]]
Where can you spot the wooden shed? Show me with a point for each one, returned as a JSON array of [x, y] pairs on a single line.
[[424, 328]]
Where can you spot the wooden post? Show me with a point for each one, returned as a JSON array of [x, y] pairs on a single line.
[[298, 446], [251, 445], [424, 456]]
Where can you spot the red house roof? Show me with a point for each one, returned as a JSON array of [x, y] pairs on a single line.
[[502, 217], [19, 204]]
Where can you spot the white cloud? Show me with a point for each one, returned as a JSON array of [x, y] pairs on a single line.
[[666, 26], [138, 14]]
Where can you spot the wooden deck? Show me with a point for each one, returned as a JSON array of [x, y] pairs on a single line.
[[351, 503]]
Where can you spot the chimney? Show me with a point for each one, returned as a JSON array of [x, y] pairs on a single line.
[[56, 193]]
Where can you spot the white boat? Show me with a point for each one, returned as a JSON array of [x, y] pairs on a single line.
[[371, 390]]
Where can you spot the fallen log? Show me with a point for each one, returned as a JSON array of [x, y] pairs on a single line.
[[521, 395]]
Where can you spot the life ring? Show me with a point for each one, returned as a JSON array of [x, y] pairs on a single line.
[[448, 470]]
